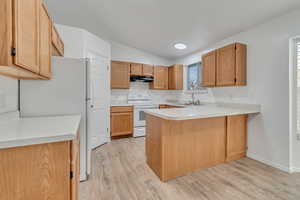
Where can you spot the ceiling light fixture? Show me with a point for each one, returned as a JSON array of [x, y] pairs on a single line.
[[180, 46]]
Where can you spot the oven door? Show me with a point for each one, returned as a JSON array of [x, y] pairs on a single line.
[[139, 115]]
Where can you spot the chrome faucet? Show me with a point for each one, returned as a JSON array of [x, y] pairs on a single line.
[[193, 85]]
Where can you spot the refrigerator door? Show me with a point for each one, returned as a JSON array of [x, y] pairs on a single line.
[[99, 99], [64, 94]]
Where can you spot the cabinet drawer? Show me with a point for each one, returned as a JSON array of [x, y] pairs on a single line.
[[118, 109]]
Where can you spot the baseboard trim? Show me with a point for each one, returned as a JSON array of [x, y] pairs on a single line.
[[294, 170], [269, 163]]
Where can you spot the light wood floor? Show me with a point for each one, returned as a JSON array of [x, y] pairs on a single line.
[[120, 173]]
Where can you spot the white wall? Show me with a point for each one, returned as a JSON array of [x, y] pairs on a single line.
[[268, 85], [122, 52], [8, 94], [73, 39], [93, 43]]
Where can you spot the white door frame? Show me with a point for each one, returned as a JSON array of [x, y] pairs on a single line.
[[90, 54], [293, 102]]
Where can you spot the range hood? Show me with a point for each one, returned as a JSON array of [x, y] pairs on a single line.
[[141, 78]]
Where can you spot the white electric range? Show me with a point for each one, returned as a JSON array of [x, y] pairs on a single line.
[[140, 102]]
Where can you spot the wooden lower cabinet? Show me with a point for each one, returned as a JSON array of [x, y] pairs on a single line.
[[178, 147], [166, 106], [121, 121], [236, 137], [40, 172]]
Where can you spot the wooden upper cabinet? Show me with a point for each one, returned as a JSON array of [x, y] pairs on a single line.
[[136, 69], [209, 69], [225, 66], [26, 33], [147, 70], [176, 77], [120, 75], [58, 47], [161, 76], [241, 63], [45, 42]]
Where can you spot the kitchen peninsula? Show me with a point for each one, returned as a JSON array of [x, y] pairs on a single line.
[[182, 140]]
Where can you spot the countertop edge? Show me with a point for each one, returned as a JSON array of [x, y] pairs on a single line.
[[36, 141], [200, 117], [69, 135]]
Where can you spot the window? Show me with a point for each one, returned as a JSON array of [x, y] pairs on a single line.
[[193, 74]]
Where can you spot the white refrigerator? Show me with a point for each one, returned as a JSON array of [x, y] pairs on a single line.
[[78, 86]]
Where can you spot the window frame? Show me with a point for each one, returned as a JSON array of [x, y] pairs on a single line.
[[188, 74]]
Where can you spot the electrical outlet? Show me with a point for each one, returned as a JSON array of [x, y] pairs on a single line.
[[298, 136]]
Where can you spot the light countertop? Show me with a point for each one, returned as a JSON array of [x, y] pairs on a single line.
[[204, 111], [120, 104], [38, 130]]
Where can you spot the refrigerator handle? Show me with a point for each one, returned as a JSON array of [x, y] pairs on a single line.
[[90, 85], [92, 94]]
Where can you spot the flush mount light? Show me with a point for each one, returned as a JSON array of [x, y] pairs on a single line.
[[180, 46]]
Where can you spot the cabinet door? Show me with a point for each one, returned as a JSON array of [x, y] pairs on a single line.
[[75, 169], [57, 43], [236, 137], [176, 77], [136, 69], [209, 64], [147, 70], [55, 39], [45, 42], [26, 33], [121, 124], [241, 64], [226, 66], [35, 172], [161, 76], [120, 75]]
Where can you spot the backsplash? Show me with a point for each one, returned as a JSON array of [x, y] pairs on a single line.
[[159, 96], [8, 94]]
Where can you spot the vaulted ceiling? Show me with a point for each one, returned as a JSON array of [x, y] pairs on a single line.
[[156, 25]]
